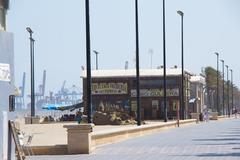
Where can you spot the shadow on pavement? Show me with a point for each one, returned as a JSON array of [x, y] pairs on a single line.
[[219, 144], [232, 132], [229, 135], [219, 155], [218, 139]]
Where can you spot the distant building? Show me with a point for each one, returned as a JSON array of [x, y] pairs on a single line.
[[197, 98], [117, 89]]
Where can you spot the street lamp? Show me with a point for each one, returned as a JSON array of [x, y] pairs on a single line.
[[232, 86], [137, 66], [96, 53], [164, 65], [32, 72], [150, 51], [223, 108], [88, 59], [228, 92], [182, 56], [217, 54]]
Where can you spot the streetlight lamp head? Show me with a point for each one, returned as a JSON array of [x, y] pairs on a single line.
[[96, 52], [222, 60], [180, 13], [216, 53], [29, 30], [226, 66]]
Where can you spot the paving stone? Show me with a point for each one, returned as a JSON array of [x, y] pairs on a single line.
[[218, 140]]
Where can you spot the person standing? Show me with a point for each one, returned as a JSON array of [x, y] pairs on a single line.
[[78, 117]]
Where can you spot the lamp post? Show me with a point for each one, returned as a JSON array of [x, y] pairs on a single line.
[[223, 108], [96, 53], [164, 65], [88, 59], [217, 54], [228, 93], [182, 56], [32, 72], [232, 87], [150, 51], [137, 66]]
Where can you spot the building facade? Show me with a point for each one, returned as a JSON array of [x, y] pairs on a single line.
[[197, 94], [6, 89], [116, 90]]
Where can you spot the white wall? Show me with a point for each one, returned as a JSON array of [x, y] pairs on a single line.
[[6, 88]]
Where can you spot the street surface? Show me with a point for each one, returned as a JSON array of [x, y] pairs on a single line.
[[206, 141]]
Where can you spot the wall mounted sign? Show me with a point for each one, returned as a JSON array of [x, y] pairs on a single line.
[[156, 92], [109, 88], [134, 106], [5, 72]]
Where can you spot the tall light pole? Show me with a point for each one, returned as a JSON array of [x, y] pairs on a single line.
[[32, 72], [228, 93], [232, 87], [137, 66], [182, 57], [96, 53], [217, 54], [150, 51], [88, 59], [164, 65], [223, 108]]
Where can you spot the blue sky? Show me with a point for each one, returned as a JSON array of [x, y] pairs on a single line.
[[59, 29]]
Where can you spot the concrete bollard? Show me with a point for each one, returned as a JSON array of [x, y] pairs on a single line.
[[214, 115], [195, 116], [79, 138], [32, 120]]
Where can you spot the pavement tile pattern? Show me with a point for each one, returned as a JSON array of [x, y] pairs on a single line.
[[215, 140]]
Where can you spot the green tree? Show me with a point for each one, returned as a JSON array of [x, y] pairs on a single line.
[[211, 89]]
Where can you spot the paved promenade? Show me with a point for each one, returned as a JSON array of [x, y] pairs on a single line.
[[42, 132], [218, 140]]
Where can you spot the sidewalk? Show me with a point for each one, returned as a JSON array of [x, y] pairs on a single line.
[[54, 134], [205, 141]]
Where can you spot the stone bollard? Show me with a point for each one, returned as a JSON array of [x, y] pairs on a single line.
[[32, 120], [79, 138], [214, 116], [195, 116]]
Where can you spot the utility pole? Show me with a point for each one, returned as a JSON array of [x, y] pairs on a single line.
[[164, 65], [223, 108], [96, 53], [228, 93], [150, 51], [182, 58], [217, 54], [137, 66], [88, 59], [232, 86], [32, 73]]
